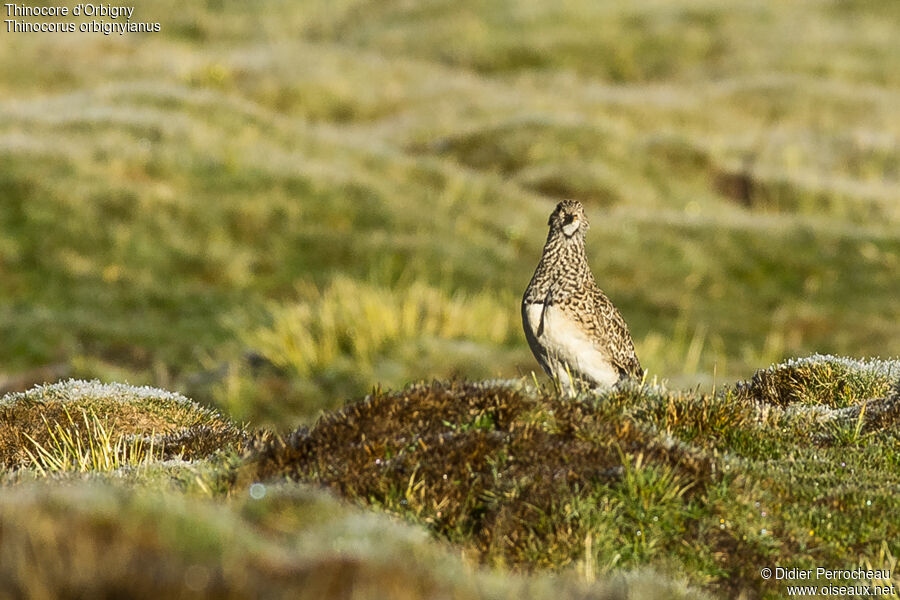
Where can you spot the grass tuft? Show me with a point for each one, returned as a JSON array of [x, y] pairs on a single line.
[[823, 380], [89, 446], [120, 425]]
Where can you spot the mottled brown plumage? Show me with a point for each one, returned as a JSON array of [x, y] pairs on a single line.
[[574, 331]]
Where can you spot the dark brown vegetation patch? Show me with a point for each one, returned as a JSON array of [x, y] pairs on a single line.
[[484, 463]]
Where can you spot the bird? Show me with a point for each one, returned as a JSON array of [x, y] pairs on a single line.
[[576, 334]]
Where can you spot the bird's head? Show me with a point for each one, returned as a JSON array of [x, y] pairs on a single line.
[[569, 219]]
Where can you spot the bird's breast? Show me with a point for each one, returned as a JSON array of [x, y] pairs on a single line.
[[567, 340]]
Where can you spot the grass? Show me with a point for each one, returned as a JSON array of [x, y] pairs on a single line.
[[712, 486], [276, 212], [727, 170], [338, 340], [120, 425], [78, 514], [97, 449], [640, 491]]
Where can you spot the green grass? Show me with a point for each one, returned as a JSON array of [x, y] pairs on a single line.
[[89, 426], [155, 219], [278, 208], [100, 450]]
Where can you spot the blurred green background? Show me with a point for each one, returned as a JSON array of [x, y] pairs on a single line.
[[274, 206]]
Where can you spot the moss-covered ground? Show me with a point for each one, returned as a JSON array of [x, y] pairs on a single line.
[[637, 492]]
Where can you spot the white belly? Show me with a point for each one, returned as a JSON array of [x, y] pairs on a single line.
[[568, 347]]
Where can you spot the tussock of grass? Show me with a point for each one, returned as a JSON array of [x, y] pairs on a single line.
[[89, 446], [522, 478], [338, 338], [363, 322], [822, 380], [86, 425]]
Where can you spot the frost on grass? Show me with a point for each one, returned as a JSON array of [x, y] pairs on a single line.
[[75, 422], [834, 382], [825, 400]]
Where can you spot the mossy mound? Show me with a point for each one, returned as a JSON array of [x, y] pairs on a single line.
[[831, 381], [85, 410], [479, 462], [713, 485], [285, 541], [827, 400]]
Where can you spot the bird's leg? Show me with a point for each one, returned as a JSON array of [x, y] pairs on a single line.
[[568, 382]]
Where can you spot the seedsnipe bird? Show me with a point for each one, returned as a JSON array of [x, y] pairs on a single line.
[[575, 332]]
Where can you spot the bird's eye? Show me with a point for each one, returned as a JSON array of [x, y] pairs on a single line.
[[567, 219]]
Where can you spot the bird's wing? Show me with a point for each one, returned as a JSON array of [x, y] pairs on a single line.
[[611, 334]]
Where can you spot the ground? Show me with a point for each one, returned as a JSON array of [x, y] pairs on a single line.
[[640, 491], [276, 210]]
